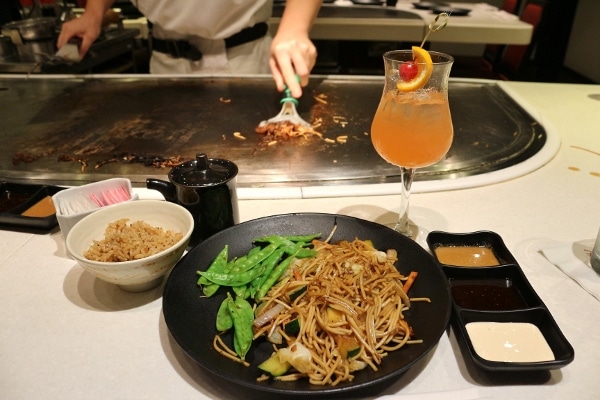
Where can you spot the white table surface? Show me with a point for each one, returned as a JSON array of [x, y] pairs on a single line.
[[485, 24], [66, 335]]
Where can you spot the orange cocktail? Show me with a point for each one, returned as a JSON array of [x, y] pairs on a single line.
[[411, 129]]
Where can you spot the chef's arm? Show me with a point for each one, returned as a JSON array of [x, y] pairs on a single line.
[[292, 51], [87, 27]]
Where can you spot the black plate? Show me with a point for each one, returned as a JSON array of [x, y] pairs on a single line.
[[15, 198], [191, 319], [455, 12]]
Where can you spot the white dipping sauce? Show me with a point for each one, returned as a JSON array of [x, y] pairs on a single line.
[[509, 342]]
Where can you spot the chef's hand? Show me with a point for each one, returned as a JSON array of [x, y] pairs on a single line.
[[292, 52], [291, 56], [87, 28]]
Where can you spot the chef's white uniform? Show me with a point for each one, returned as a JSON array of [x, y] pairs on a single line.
[[205, 24]]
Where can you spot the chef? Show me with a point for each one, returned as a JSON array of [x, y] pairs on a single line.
[[216, 36]]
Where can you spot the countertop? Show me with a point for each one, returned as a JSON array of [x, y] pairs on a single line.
[[484, 24], [344, 20], [66, 335]]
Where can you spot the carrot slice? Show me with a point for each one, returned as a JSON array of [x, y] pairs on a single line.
[[410, 280]]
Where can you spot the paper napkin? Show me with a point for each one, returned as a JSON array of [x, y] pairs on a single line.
[[573, 259]]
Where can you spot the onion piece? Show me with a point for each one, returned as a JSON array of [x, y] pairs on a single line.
[[391, 254], [381, 256], [268, 315], [275, 337], [298, 356]]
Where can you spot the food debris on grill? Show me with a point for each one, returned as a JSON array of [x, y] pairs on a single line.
[[321, 98], [127, 158], [284, 131], [19, 158], [101, 163], [287, 130], [323, 117], [66, 158], [149, 161], [340, 120]]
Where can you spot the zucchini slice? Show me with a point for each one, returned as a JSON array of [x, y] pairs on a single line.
[[292, 328], [294, 295], [274, 366]]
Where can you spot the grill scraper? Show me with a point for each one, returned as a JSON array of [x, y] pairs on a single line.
[[288, 112]]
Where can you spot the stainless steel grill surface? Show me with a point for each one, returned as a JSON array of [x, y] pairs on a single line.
[[95, 120]]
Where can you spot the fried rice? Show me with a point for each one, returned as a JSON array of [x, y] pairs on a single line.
[[126, 242]]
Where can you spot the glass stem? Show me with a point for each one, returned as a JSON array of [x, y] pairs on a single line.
[[402, 226]]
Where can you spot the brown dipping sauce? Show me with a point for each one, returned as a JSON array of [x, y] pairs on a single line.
[[467, 256], [41, 209], [496, 295]]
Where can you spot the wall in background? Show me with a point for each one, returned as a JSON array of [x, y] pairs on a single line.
[[583, 52]]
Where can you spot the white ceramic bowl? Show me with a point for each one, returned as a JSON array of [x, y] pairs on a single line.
[[135, 275]]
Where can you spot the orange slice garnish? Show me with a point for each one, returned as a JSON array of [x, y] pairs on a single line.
[[422, 60]]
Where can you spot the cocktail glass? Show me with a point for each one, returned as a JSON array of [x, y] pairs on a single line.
[[412, 129]]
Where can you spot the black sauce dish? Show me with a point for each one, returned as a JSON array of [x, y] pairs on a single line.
[[501, 297], [17, 198]]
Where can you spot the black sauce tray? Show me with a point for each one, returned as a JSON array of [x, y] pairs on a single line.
[[16, 198], [501, 294]]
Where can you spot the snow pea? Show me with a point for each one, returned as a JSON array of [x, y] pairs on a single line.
[[233, 279], [254, 258], [292, 245], [235, 262], [292, 238], [242, 316], [269, 264], [241, 291], [224, 321], [218, 264], [210, 288], [305, 253], [274, 276]]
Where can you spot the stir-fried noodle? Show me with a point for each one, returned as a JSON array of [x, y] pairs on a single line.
[[350, 311]]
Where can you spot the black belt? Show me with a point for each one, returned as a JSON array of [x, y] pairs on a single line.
[[183, 48]]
